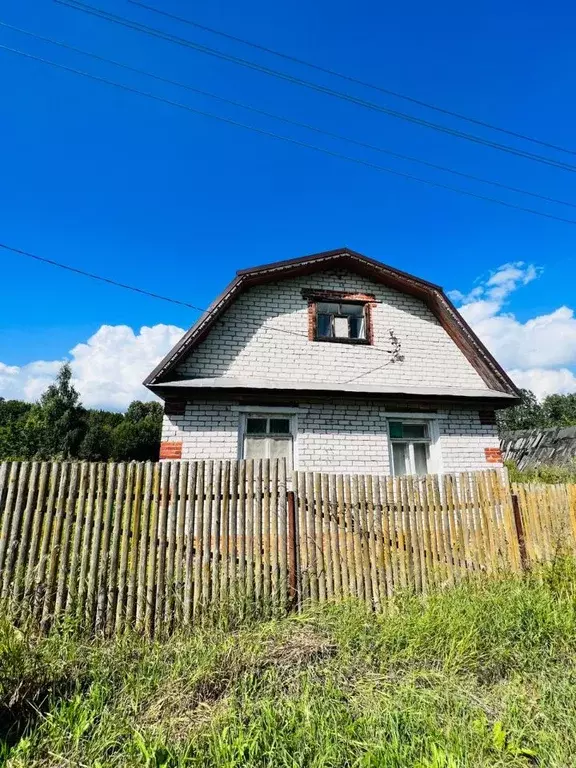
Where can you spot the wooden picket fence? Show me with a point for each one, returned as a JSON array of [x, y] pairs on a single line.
[[156, 546], [152, 546], [369, 536], [548, 520]]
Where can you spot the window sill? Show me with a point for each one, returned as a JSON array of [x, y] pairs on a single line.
[[362, 342]]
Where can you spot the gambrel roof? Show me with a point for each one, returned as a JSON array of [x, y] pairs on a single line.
[[495, 378]]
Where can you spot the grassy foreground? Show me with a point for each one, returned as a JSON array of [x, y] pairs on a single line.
[[483, 675]]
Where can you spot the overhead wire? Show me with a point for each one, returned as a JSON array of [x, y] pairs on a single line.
[[288, 139], [154, 32], [126, 286], [289, 121], [351, 78]]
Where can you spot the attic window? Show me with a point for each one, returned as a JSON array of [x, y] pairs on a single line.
[[339, 316]]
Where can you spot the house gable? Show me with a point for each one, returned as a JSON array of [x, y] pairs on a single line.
[[259, 328]]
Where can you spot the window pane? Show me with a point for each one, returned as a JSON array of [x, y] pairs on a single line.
[[256, 426], [352, 310], [255, 448], [357, 327], [279, 426], [280, 447], [327, 308], [324, 326], [415, 431], [420, 458], [396, 430], [341, 327], [400, 458]]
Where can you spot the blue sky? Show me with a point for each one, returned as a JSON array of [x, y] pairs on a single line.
[[144, 193]]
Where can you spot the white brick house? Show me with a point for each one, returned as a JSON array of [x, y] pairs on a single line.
[[297, 359]]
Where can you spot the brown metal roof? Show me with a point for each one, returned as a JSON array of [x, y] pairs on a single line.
[[432, 295]]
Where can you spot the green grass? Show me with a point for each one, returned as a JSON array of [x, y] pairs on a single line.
[[482, 675], [546, 473]]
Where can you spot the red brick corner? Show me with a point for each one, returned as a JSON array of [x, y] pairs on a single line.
[[493, 455], [171, 450]]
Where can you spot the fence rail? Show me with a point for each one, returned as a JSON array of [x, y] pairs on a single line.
[[157, 546]]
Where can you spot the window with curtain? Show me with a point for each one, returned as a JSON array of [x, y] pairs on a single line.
[[410, 442], [268, 437]]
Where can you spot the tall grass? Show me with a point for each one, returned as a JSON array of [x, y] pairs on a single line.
[[482, 675], [544, 473]]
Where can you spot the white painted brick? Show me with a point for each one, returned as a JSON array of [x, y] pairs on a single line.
[[242, 344], [333, 437]]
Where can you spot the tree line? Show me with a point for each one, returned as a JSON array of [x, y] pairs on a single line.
[[552, 411], [59, 427]]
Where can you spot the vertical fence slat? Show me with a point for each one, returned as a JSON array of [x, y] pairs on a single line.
[[234, 490], [145, 536], [353, 586], [257, 531], [162, 546], [266, 541], [78, 531], [191, 513], [40, 519], [54, 547], [115, 549], [5, 537], [86, 536], [171, 526], [46, 538], [282, 533], [342, 537], [103, 572], [179, 575], [207, 531], [216, 532], [152, 553], [249, 533], [14, 535], [134, 545], [225, 538], [327, 536], [36, 523], [19, 576], [334, 518]]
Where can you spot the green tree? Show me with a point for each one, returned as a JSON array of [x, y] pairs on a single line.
[[62, 417], [560, 410], [528, 414], [138, 436]]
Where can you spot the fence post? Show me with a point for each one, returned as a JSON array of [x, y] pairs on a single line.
[[292, 583], [520, 532]]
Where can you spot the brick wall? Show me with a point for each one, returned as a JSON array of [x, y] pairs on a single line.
[[241, 344], [334, 436]]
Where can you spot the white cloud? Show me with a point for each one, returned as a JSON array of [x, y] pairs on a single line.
[[539, 352], [107, 369], [545, 381]]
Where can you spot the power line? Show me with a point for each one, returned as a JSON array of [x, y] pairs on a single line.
[[92, 276], [127, 287], [154, 32], [295, 142], [352, 79], [287, 120]]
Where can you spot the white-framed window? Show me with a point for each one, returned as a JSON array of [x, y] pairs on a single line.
[[267, 436], [411, 446]]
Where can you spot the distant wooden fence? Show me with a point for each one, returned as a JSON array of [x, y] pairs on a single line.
[[157, 546], [548, 519]]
